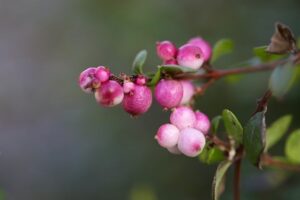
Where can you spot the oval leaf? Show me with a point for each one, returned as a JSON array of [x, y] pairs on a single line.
[[222, 47], [254, 137], [215, 122], [155, 78], [277, 130], [211, 155], [175, 69], [232, 125], [292, 147], [281, 79], [218, 182], [139, 61]]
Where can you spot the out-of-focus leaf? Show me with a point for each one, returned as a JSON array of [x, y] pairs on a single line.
[[138, 63], [292, 147], [218, 182], [298, 42], [142, 192], [263, 55], [155, 78], [254, 138], [234, 78], [282, 79], [222, 47], [211, 155], [215, 122], [175, 69], [232, 125], [277, 130]]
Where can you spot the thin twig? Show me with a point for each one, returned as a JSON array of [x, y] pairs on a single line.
[[268, 161]]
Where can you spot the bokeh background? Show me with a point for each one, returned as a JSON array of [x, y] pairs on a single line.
[[56, 143]]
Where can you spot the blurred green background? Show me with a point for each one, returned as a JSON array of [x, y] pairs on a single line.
[[56, 143]]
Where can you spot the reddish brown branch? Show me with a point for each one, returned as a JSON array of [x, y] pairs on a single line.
[[268, 161]]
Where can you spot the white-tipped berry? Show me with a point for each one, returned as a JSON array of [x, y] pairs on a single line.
[[87, 81], [203, 45], [188, 92], [190, 56], [183, 117], [109, 94], [167, 135]]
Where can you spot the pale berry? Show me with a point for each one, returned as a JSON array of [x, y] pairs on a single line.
[[166, 50], [128, 86], [102, 74], [167, 135], [202, 122], [183, 117], [188, 91], [137, 101], [191, 142], [203, 45], [168, 93], [109, 94], [174, 150], [190, 56], [87, 81]]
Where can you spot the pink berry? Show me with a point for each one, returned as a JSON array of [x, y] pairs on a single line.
[[183, 117], [138, 101], [87, 81], [102, 74], [190, 56], [128, 86], [188, 91], [202, 122], [109, 94], [191, 142], [172, 61], [166, 50], [168, 93], [141, 80], [203, 45], [174, 150], [167, 135]]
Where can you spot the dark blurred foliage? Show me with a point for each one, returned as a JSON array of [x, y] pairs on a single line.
[[57, 143]]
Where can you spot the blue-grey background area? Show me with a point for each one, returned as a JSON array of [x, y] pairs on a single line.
[[56, 143]]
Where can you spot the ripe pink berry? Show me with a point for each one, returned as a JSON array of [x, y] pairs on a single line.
[[109, 94], [141, 80], [102, 74], [191, 142], [87, 81], [138, 101], [168, 93], [166, 50], [202, 122], [183, 117], [128, 86], [167, 135], [174, 150], [172, 61], [188, 91], [190, 56], [203, 45]]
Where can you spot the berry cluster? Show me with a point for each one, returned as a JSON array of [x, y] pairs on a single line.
[[186, 133]]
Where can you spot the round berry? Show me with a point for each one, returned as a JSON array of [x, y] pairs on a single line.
[[168, 93], [109, 94], [191, 142], [138, 101], [190, 56], [87, 81], [202, 122], [174, 150], [166, 50], [167, 135], [188, 92], [172, 61], [102, 74], [203, 45], [128, 86], [183, 117]]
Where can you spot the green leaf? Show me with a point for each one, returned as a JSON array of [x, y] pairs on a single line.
[[139, 61], [255, 137], [282, 79], [263, 55], [155, 78], [277, 130], [292, 147], [234, 78], [215, 122], [218, 182], [175, 69], [211, 155], [222, 47], [232, 125]]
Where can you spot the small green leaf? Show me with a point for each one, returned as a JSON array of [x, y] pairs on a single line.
[[218, 182], [263, 55], [215, 122], [155, 78], [139, 61], [175, 69], [277, 130], [292, 147], [282, 79], [232, 125], [211, 155], [222, 47], [254, 137]]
